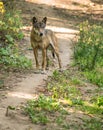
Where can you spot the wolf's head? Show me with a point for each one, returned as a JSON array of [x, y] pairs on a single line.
[[39, 25]]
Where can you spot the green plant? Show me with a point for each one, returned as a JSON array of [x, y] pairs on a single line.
[[100, 101], [93, 124], [77, 101], [88, 51], [75, 81], [59, 120], [91, 108], [60, 87], [66, 126], [10, 32], [97, 100], [2, 9], [63, 100], [10, 58], [56, 74], [1, 84], [38, 109], [10, 27], [95, 77]]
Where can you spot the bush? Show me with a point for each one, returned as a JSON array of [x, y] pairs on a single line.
[[10, 58], [10, 32], [2, 10], [88, 51], [95, 77], [10, 26], [39, 110]]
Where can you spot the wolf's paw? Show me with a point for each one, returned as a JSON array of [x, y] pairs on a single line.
[[60, 69], [37, 71], [43, 72]]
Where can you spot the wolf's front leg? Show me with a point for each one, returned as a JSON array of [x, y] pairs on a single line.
[[36, 57], [44, 62]]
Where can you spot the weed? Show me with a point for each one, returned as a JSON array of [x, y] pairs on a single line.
[[77, 101], [1, 83], [2, 9], [10, 28], [38, 109], [93, 124], [56, 74], [60, 87], [10, 31], [66, 126], [95, 77], [100, 101], [75, 81], [64, 96], [10, 58], [62, 91], [59, 120], [88, 51], [97, 100], [91, 108]]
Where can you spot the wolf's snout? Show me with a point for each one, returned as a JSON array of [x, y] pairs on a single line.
[[41, 34]]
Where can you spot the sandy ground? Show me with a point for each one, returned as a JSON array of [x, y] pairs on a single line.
[[24, 87]]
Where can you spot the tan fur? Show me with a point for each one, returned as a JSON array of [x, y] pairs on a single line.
[[43, 42]]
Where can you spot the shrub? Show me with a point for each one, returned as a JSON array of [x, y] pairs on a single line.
[[88, 51], [95, 77], [10, 27], [10, 32], [10, 58], [40, 109], [2, 10]]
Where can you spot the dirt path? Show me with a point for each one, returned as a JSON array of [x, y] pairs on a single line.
[[26, 88]]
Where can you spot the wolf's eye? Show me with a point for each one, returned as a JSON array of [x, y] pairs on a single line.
[[42, 25], [36, 26]]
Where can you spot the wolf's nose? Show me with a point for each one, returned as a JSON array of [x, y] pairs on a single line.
[[41, 34]]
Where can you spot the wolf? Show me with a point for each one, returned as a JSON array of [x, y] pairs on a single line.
[[42, 38]]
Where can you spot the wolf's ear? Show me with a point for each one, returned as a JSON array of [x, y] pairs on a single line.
[[44, 20], [34, 20]]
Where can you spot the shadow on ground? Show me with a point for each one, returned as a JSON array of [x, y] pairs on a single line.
[[70, 18]]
